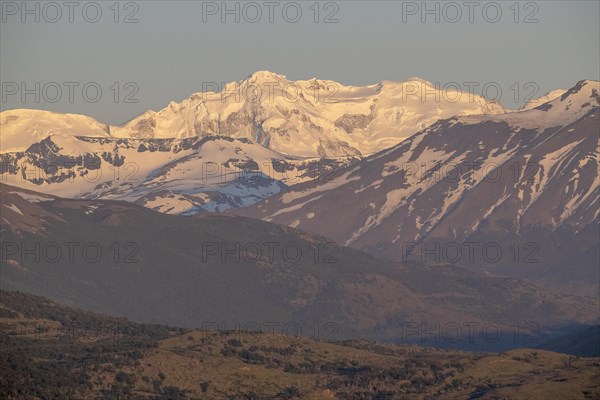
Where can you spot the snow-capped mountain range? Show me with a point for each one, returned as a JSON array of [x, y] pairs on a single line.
[[217, 150], [176, 176], [312, 118], [229, 149]]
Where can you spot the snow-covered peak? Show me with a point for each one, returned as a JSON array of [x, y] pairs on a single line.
[[309, 117], [22, 127], [579, 99], [265, 76], [584, 92], [538, 101], [562, 111]]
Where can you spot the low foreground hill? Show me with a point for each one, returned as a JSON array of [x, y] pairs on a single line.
[[53, 352]]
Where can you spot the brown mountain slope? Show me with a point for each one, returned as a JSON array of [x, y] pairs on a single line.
[[125, 260], [524, 183]]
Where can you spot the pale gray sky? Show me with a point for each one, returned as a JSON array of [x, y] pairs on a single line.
[[176, 46]]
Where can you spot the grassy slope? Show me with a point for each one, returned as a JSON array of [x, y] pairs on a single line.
[[108, 358]]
